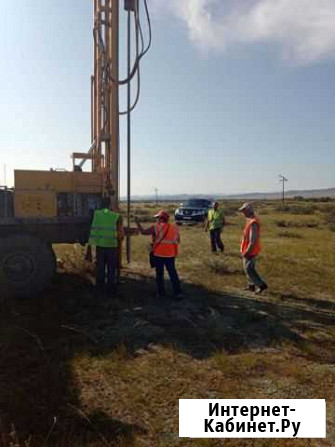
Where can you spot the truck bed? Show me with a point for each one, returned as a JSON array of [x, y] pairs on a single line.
[[56, 230]]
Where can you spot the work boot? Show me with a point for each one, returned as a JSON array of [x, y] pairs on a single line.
[[250, 287], [261, 289]]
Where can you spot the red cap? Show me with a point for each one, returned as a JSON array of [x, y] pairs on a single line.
[[163, 215]]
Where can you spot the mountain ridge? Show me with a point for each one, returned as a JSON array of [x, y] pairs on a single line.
[[290, 194]]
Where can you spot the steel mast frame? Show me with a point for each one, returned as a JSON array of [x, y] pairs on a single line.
[[105, 138], [105, 96]]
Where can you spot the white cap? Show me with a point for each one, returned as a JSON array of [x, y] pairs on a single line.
[[246, 206]]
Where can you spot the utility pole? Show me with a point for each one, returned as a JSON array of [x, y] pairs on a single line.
[[283, 180], [128, 8], [156, 193], [5, 190]]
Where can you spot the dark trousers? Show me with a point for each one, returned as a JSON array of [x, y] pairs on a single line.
[[249, 265], [216, 241], [169, 264], [107, 264]]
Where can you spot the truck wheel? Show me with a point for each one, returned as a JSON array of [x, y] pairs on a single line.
[[27, 265]]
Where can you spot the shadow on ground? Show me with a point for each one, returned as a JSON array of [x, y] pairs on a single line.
[[39, 393]]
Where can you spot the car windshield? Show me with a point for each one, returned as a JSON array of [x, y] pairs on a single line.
[[197, 203]]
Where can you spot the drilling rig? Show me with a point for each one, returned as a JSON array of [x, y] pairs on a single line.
[[56, 207]]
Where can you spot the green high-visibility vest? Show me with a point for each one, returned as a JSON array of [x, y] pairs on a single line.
[[104, 229], [215, 219]]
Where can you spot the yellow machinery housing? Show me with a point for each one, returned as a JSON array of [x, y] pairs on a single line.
[[56, 193]]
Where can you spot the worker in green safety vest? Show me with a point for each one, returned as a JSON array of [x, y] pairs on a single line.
[[215, 223], [106, 235]]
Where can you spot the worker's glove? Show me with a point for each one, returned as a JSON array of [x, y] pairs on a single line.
[[88, 256]]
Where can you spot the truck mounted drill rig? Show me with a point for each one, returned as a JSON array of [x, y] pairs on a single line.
[[51, 207]]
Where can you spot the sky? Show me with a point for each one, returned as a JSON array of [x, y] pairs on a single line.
[[233, 93]]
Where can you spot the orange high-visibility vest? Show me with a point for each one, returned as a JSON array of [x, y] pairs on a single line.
[[165, 240], [246, 237]]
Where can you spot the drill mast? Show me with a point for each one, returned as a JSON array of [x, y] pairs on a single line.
[[104, 151], [105, 114], [105, 95]]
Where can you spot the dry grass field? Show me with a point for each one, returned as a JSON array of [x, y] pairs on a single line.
[[78, 371]]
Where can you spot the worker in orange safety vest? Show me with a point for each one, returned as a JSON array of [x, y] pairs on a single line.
[[250, 248], [164, 250]]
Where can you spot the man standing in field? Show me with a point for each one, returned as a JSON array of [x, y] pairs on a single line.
[[215, 223], [106, 234], [165, 241], [250, 248]]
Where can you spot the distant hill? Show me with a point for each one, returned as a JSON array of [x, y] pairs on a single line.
[[312, 193]]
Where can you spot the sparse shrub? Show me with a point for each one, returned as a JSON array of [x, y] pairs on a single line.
[[220, 266], [296, 209], [142, 212], [290, 234], [330, 219], [282, 223], [145, 215], [289, 224], [325, 207], [320, 199], [331, 216], [229, 209], [147, 219], [280, 208]]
